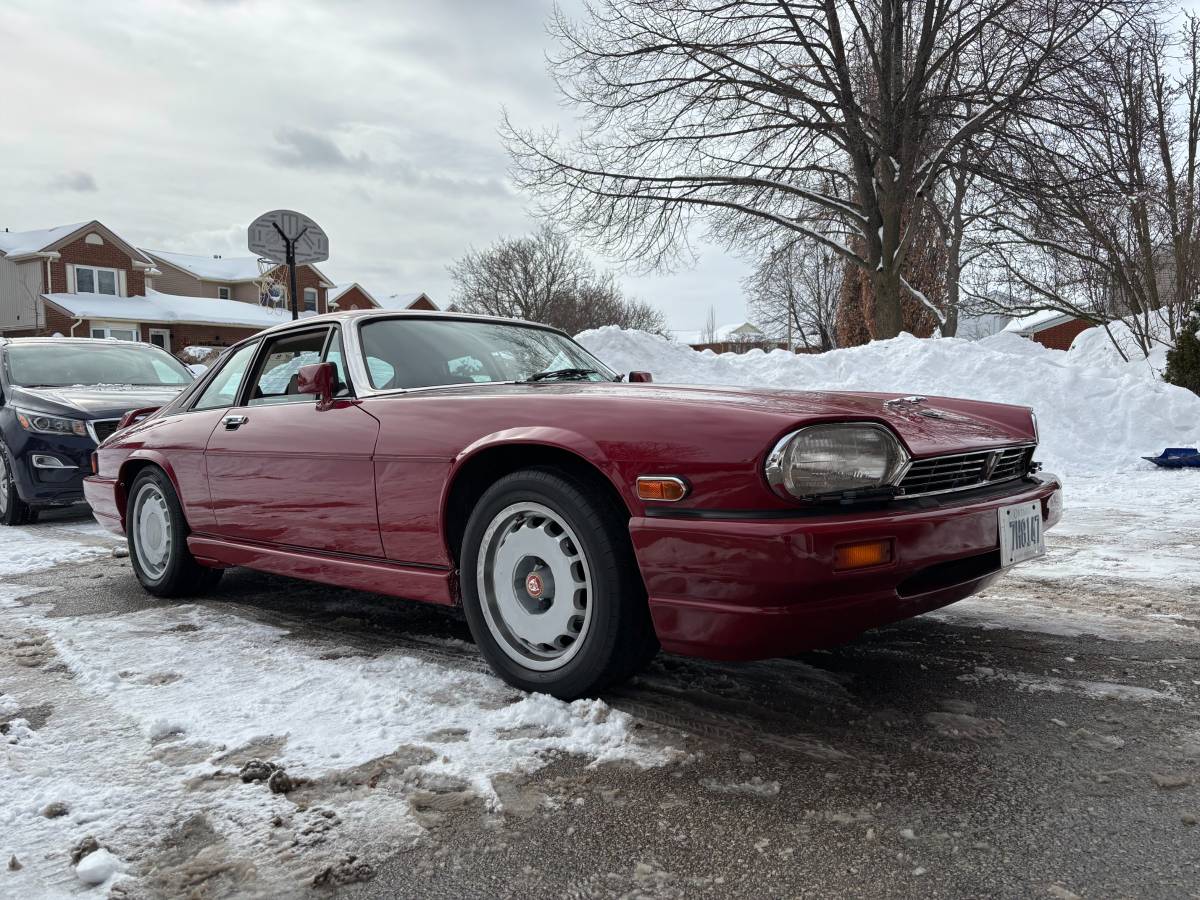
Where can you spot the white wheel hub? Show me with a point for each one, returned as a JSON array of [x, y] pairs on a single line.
[[534, 586], [152, 530]]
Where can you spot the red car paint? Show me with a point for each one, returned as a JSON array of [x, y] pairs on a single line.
[[358, 495]]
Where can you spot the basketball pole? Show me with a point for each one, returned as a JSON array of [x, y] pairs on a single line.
[[290, 247]]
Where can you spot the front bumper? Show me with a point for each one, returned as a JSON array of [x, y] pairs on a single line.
[[746, 588], [103, 496], [50, 486]]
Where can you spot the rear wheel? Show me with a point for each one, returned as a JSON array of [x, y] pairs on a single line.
[[157, 533], [551, 590], [13, 510]]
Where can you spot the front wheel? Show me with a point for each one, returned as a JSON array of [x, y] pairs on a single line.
[[13, 510], [551, 590], [157, 533]]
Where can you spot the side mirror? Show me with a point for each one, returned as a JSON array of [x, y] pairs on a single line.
[[640, 378], [136, 415], [317, 379]]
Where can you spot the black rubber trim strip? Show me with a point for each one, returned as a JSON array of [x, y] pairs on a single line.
[[943, 501]]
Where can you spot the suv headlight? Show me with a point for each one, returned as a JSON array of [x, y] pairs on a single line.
[[44, 424], [833, 459]]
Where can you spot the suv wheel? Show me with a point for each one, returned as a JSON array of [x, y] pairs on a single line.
[[13, 510]]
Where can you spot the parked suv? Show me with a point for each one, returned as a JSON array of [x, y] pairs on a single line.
[[59, 398]]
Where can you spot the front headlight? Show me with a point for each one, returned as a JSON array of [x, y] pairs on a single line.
[[833, 459], [44, 424]]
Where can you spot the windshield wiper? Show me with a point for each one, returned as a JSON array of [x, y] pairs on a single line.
[[561, 373]]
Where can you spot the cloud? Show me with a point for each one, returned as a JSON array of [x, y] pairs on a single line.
[[82, 182], [305, 149]]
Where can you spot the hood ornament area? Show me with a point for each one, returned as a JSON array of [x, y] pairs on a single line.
[[905, 401]]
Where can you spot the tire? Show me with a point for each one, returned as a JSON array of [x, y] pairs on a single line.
[[157, 534], [550, 586], [13, 510]]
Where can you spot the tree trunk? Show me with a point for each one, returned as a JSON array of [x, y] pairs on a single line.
[[889, 320]]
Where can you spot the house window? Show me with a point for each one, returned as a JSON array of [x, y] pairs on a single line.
[[91, 280], [310, 299], [161, 337], [223, 293], [121, 331]]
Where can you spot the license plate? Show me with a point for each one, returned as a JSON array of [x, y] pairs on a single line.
[[1021, 532]]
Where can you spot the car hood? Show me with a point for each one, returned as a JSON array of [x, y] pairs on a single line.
[[92, 402], [928, 426]]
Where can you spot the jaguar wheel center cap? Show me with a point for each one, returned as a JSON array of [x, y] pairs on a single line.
[[534, 586]]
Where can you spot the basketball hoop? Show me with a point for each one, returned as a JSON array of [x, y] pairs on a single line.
[[271, 291], [291, 238]]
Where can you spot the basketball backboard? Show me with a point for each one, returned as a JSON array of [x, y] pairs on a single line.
[[271, 231]]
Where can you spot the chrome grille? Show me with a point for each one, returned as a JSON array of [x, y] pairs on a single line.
[[102, 428], [964, 470]]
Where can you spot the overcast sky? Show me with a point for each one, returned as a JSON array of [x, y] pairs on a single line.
[[176, 122]]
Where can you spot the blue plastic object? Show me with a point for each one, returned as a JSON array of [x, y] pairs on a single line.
[[1177, 458]]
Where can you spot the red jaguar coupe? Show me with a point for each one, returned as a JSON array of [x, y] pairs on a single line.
[[581, 520]]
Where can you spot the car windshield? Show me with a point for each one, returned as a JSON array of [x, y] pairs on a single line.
[[66, 365], [411, 353]]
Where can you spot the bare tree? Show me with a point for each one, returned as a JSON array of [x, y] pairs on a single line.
[[544, 278], [794, 294], [1100, 215], [708, 334], [761, 116]]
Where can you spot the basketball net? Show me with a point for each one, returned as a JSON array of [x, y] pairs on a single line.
[[272, 292]]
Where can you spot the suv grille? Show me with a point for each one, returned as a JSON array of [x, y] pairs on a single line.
[[965, 470], [102, 428]]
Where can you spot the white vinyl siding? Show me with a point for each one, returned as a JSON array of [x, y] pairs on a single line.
[[20, 293]]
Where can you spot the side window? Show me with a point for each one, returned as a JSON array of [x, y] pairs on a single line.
[[275, 379], [222, 391]]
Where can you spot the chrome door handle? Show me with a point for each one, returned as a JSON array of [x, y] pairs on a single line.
[[232, 423]]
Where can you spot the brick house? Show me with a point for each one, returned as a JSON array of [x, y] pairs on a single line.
[[1052, 329], [355, 296], [236, 278], [84, 280]]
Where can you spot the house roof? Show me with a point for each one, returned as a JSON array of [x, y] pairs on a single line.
[[169, 308], [340, 290], [1038, 321], [15, 244], [404, 299], [728, 332], [225, 269]]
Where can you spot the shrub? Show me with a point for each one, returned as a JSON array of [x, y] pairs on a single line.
[[1183, 360]]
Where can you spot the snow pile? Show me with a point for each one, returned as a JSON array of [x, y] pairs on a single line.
[[1096, 413], [31, 549]]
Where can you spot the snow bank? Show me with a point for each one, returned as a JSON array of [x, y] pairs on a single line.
[[1096, 412]]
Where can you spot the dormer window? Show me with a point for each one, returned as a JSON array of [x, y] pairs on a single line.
[[93, 280], [223, 292]]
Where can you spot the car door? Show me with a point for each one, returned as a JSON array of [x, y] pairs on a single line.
[[283, 472]]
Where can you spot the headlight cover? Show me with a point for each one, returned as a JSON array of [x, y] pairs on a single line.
[[832, 459], [41, 423]]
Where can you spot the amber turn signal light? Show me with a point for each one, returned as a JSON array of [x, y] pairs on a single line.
[[661, 487], [862, 555]]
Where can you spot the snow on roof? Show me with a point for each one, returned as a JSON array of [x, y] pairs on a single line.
[[156, 307], [1035, 322], [18, 243], [212, 268], [731, 331], [403, 299]]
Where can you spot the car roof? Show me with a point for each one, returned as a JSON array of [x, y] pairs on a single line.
[[107, 342], [350, 315]]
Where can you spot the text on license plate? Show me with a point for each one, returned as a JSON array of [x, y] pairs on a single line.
[[1021, 535]]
